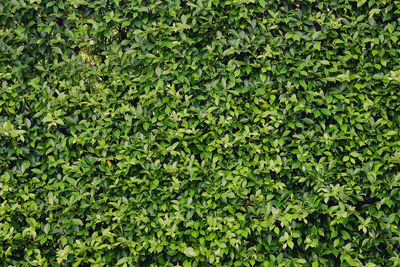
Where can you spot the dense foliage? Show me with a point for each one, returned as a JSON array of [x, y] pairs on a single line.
[[237, 132]]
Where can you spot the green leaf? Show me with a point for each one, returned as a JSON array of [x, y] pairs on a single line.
[[263, 77], [158, 71], [77, 221], [57, 50], [37, 171], [296, 37], [25, 165], [350, 261], [46, 228], [190, 252]]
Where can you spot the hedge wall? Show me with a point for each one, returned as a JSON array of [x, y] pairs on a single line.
[[199, 133]]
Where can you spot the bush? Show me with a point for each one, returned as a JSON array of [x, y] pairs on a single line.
[[214, 132]]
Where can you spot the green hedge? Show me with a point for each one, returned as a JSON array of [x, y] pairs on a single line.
[[198, 133]]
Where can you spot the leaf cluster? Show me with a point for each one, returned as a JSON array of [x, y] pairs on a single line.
[[195, 133]]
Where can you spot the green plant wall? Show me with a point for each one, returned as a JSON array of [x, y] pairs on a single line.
[[199, 133]]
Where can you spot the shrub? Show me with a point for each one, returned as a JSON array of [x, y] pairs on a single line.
[[214, 132]]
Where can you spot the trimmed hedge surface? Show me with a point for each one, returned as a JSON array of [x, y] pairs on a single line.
[[199, 133]]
